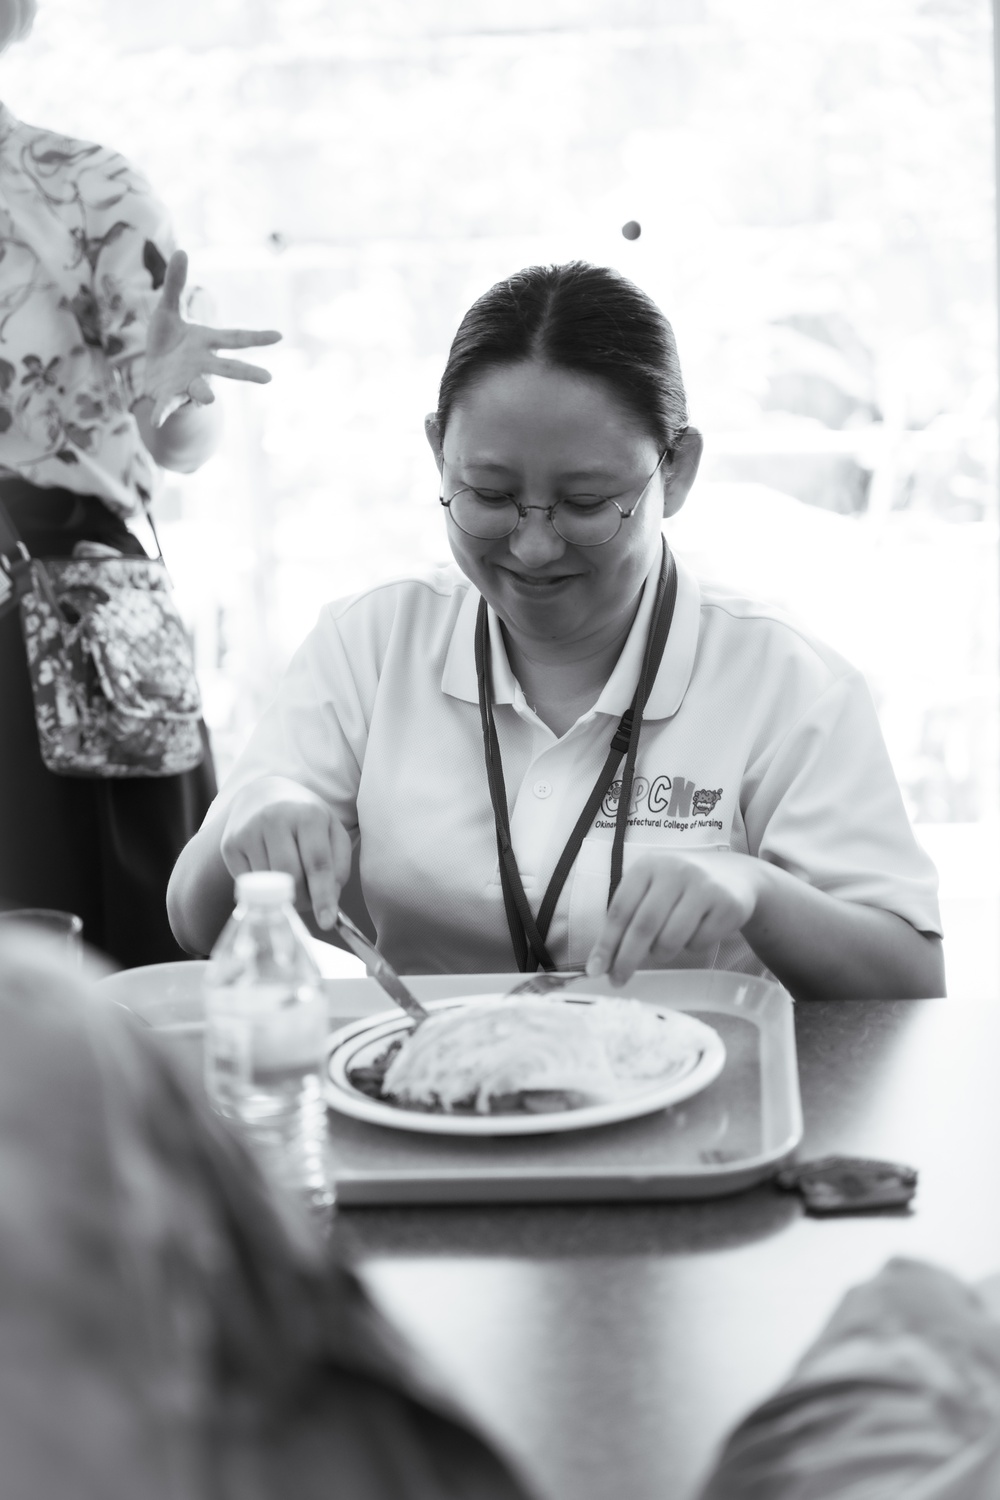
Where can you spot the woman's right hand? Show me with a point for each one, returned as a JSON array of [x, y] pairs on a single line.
[[276, 824]]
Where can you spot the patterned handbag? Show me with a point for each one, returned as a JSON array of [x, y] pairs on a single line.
[[111, 667]]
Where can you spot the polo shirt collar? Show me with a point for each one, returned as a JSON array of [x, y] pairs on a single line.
[[459, 677], [677, 663]]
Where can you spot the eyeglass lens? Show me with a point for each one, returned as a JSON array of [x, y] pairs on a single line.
[[586, 526]]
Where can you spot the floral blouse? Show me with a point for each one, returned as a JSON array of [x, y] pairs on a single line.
[[83, 249]]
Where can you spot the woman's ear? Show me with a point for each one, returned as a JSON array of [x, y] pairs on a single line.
[[435, 437], [683, 467]]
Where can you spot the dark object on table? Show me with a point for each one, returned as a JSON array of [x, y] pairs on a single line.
[[849, 1184], [169, 1327], [632, 229]]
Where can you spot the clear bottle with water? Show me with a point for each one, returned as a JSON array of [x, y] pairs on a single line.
[[265, 1029]]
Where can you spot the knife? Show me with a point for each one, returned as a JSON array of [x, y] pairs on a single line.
[[379, 968]]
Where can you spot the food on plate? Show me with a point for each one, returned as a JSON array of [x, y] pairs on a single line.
[[500, 1056]]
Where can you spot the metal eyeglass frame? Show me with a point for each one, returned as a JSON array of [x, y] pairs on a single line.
[[550, 510]]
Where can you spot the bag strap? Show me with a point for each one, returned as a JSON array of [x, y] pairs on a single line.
[[147, 511], [15, 560], [10, 537], [11, 541], [24, 572]]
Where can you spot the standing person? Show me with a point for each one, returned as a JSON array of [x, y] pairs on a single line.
[[102, 381]]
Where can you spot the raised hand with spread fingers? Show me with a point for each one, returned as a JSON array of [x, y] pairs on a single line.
[[180, 356]]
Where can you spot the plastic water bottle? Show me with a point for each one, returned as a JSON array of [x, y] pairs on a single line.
[[265, 1029]]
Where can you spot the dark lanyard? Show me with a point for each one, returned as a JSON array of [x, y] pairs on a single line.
[[527, 932]]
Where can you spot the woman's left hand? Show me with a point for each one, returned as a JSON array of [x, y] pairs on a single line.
[[668, 904], [180, 355]]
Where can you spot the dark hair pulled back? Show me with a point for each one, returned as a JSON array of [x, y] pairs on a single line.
[[588, 319]]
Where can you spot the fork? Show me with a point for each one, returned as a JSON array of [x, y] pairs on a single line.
[[545, 984]]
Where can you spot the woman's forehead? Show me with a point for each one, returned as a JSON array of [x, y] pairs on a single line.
[[539, 413]]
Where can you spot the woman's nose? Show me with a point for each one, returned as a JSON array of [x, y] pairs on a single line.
[[536, 541]]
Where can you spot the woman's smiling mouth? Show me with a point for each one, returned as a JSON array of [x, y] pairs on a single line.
[[537, 581]]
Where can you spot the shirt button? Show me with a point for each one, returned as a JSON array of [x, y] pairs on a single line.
[[542, 789]]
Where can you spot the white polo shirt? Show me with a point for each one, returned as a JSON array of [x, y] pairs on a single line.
[[755, 738]]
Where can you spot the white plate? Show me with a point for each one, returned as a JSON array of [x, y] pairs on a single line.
[[167, 997], [361, 1043], [170, 997]]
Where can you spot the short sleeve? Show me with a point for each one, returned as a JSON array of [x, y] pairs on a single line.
[[827, 808], [315, 731], [129, 239]]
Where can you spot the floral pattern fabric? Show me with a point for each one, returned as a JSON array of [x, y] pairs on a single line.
[[83, 249], [111, 669]]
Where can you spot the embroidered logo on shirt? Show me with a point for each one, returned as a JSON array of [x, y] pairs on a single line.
[[669, 801], [704, 802]]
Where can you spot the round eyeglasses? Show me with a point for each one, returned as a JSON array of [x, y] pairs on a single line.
[[581, 520]]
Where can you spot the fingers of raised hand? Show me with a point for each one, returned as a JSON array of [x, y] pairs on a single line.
[[173, 281], [200, 391], [236, 369], [241, 338], [164, 407]]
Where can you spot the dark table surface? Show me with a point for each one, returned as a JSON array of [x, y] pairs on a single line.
[[610, 1347]]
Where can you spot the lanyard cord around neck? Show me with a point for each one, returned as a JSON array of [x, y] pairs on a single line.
[[527, 933]]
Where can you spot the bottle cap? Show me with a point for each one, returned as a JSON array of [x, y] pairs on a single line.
[[264, 888]]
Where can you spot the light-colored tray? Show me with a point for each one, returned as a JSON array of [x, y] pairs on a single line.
[[734, 1134]]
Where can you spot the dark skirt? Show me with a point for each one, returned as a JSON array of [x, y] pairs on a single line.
[[101, 848]]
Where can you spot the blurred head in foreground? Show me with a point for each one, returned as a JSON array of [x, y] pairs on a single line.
[[16, 19], [167, 1329]]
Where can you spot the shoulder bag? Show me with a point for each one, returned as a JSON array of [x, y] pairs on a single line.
[[110, 661]]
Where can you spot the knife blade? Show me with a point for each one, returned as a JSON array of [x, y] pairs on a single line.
[[380, 968]]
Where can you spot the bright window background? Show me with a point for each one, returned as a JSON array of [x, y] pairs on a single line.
[[815, 189]]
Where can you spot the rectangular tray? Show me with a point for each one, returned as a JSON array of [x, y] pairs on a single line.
[[735, 1133]]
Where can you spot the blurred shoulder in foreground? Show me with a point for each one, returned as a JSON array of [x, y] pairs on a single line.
[[898, 1397]]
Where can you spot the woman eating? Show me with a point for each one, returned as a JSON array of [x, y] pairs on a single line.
[[566, 752]]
